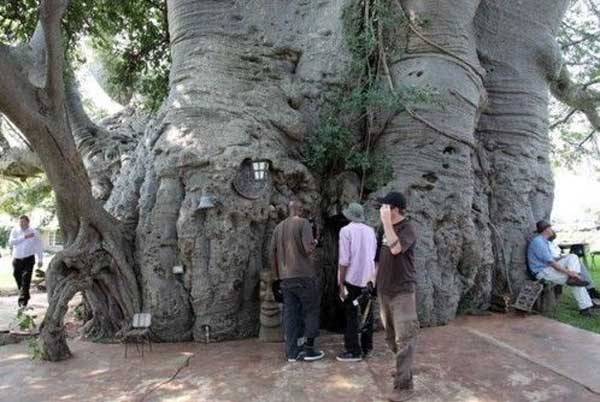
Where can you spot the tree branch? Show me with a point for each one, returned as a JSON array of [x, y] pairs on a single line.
[[591, 36], [577, 96], [586, 139], [51, 13], [594, 9], [563, 120], [19, 99]]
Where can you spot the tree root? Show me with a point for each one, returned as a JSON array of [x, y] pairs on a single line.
[[87, 266]]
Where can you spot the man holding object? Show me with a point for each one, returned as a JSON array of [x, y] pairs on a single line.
[[396, 284], [26, 243], [357, 248]]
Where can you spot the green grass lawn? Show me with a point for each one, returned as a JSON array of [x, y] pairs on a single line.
[[566, 310]]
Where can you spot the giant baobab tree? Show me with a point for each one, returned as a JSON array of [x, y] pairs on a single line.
[[453, 94]]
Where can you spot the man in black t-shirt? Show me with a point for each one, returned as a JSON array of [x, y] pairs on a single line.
[[396, 283]]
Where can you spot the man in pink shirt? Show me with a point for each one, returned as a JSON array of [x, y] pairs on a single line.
[[357, 248]]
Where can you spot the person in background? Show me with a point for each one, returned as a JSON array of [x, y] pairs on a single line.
[[357, 248], [292, 245], [396, 286], [565, 271], [26, 244]]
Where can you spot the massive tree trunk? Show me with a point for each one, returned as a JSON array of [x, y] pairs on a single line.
[[475, 163], [247, 83], [243, 89]]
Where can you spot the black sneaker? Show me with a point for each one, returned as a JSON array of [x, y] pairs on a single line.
[[588, 312], [310, 355], [349, 357]]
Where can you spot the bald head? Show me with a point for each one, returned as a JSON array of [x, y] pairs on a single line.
[[296, 207]]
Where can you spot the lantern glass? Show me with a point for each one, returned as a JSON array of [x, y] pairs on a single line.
[[260, 170]]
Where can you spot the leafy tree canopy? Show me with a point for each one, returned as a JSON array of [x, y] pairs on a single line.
[[21, 197], [130, 36], [574, 137]]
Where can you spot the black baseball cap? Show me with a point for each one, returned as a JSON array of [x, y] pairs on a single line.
[[394, 199], [542, 225]]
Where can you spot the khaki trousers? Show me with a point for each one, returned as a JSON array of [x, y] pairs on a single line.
[[399, 317]]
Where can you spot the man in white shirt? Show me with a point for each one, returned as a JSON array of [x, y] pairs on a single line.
[[571, 260], [26, 243], [357, 248]]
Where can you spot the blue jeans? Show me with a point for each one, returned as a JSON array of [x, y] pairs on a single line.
[[301, 308]]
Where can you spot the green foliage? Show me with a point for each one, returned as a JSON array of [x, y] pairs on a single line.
[[21, 197], [350, 114], [328, 147], [574, 138], [18, 19], [131, 37], [137, 33], [4, 236], [26, 322], [79, 312], [567, 310]]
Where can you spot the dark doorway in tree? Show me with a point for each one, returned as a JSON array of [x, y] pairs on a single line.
[[332, 311]]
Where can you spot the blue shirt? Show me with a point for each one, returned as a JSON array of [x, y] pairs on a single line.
[[539, 254]]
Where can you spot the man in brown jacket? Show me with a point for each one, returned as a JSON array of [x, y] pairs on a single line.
[[396, 283], [291, 247]]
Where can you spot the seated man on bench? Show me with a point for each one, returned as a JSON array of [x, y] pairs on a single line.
[[574, 259], [564, 271]]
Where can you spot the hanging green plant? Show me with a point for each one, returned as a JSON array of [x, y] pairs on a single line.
[[354, 115]]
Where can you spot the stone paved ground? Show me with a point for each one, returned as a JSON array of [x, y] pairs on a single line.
[[483, 359]]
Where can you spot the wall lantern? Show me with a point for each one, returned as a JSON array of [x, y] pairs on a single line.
[[252, 178]]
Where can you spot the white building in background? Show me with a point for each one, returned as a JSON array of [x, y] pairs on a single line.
[[576, 211], [576, 197]]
